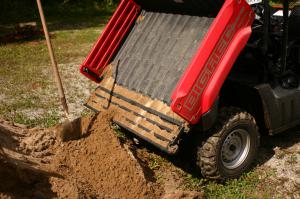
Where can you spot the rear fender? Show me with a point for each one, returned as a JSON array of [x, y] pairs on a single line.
[[199, 87]]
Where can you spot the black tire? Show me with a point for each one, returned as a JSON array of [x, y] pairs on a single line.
[[234, 129]]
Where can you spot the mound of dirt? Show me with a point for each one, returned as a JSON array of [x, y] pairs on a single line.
[[98, 165]]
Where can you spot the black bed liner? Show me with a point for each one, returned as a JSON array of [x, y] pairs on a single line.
[[157, 51]]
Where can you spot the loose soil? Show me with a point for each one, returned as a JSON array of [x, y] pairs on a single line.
[[34, 163]]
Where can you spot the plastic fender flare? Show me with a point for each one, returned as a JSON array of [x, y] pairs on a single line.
[[213, 88], [200, 85]]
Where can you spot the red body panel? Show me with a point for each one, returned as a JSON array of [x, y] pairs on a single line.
[[202, 81], [110, 39]]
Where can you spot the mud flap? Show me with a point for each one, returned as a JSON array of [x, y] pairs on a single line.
[[151, 120]]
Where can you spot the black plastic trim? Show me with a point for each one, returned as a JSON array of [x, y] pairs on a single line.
[[89, 72], [208, 119], [281, 107]]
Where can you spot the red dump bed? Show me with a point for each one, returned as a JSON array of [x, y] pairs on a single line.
[[176, 53]]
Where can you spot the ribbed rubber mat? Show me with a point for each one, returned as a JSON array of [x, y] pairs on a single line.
[[157, 52]]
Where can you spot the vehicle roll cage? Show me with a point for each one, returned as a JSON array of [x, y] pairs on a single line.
[[266, 31]]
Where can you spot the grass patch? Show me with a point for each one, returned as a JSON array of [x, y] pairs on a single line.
[[60, 15], [26, 74], [121, 135], [45, 120], [292, 159], [156, 161], [26, 81], [254, 184]]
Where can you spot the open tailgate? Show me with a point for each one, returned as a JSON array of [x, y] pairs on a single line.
[[151, 120]]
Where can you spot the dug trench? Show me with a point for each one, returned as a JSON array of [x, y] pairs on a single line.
[[35, 163]]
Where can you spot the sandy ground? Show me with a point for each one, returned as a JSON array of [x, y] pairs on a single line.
[[282, 154], [34, 163], [77, 89]]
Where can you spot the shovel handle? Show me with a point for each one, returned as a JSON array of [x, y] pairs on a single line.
[[53, 61]]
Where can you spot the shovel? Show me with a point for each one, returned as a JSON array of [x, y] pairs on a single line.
[[68, 130]]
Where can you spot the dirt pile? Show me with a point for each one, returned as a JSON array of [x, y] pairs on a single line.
[[96, 166]]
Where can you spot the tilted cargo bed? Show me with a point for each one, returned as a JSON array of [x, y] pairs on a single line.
[[140, 60], [157, 52], [150, 119]]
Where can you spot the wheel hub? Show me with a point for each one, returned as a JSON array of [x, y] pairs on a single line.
[[235, 148]]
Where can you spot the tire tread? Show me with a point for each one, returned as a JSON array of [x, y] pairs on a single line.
[[207, 153]]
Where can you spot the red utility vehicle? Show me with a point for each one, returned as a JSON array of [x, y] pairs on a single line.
[[222, 68]]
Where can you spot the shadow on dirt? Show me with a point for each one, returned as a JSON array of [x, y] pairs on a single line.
[[18, 182], [9, 140], [21, 177], [78, 128], [283, 141]]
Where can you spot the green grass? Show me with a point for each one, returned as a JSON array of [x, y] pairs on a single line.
[[26, 74], [59, 15], [254, 184], [121, 135], [26, 81], [257, 183], [46, 120], [155, 162]]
